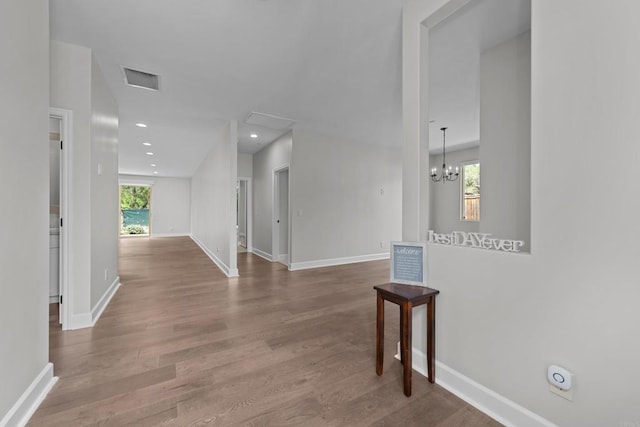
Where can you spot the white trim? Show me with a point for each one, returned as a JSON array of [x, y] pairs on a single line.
[[337, 261], [495, 405], [66, 201], [97, 310], [249, 236], [160, 235], [136, 182], [229, 272], [275, 212], [261, 254], [80, 321], [54, 299], [28, 403]]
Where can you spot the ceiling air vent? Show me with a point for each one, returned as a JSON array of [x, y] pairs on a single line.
[[140, 79], [269, 121]]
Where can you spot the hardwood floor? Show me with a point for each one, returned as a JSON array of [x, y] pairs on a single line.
[[180, 344]]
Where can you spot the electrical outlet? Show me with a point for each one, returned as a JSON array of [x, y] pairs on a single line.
[[106, 274], [566, 394], [560, 382], [381, 245]]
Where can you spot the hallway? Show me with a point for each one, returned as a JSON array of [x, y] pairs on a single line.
[[181, 344]]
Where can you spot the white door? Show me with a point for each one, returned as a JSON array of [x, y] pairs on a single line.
[[60, 142], [281, 216], [54, 211], [242, 214]]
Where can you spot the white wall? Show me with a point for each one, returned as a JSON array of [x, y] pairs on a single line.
[[213, 200], [171, 207], [275, 155], [245, 165], [444, 202], [77, 84], [503, 318], [505, 140], [24, 190], [170, 203], [105, 217], [345, 199], [71, 90]]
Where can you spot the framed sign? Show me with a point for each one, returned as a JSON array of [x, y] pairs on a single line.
[[408, 260]]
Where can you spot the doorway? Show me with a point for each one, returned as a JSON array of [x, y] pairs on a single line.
[[281, 218], [59, 144], [243, 215]]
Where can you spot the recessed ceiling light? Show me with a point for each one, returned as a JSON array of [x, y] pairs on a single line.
[[253, 135], [146, 144], [153, 165], [155, 172], [149, 153], [141, 125]]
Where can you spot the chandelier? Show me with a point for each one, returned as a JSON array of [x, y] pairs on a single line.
[[447, 173]]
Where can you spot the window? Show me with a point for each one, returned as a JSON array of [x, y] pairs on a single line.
[[470, 191], [135, 201]]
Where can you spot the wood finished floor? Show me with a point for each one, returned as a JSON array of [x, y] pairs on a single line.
[[182, 345]]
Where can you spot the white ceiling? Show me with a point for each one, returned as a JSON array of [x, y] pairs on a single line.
[[332, 66]]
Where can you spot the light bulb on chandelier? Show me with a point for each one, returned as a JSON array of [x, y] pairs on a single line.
[[447, 173]]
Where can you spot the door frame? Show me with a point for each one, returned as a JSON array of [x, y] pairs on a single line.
[[66, 195], [275, 226], [249, 214]]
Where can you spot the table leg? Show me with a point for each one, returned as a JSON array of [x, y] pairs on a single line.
[[406, 346], [431, 339], [401, 332], [379, 333]]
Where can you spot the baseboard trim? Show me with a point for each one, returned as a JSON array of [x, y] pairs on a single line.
[[80, 321], [261, 254], [28, 403], [337, 261], [229, 272], [495, 405], [96, 312], [54, 299], [170, 235]]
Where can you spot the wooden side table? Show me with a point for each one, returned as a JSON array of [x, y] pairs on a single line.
[[407, 297]]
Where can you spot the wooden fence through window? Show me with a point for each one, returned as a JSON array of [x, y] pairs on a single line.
[[472, 208]]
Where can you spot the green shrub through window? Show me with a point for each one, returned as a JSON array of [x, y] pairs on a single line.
[[135, 202]]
